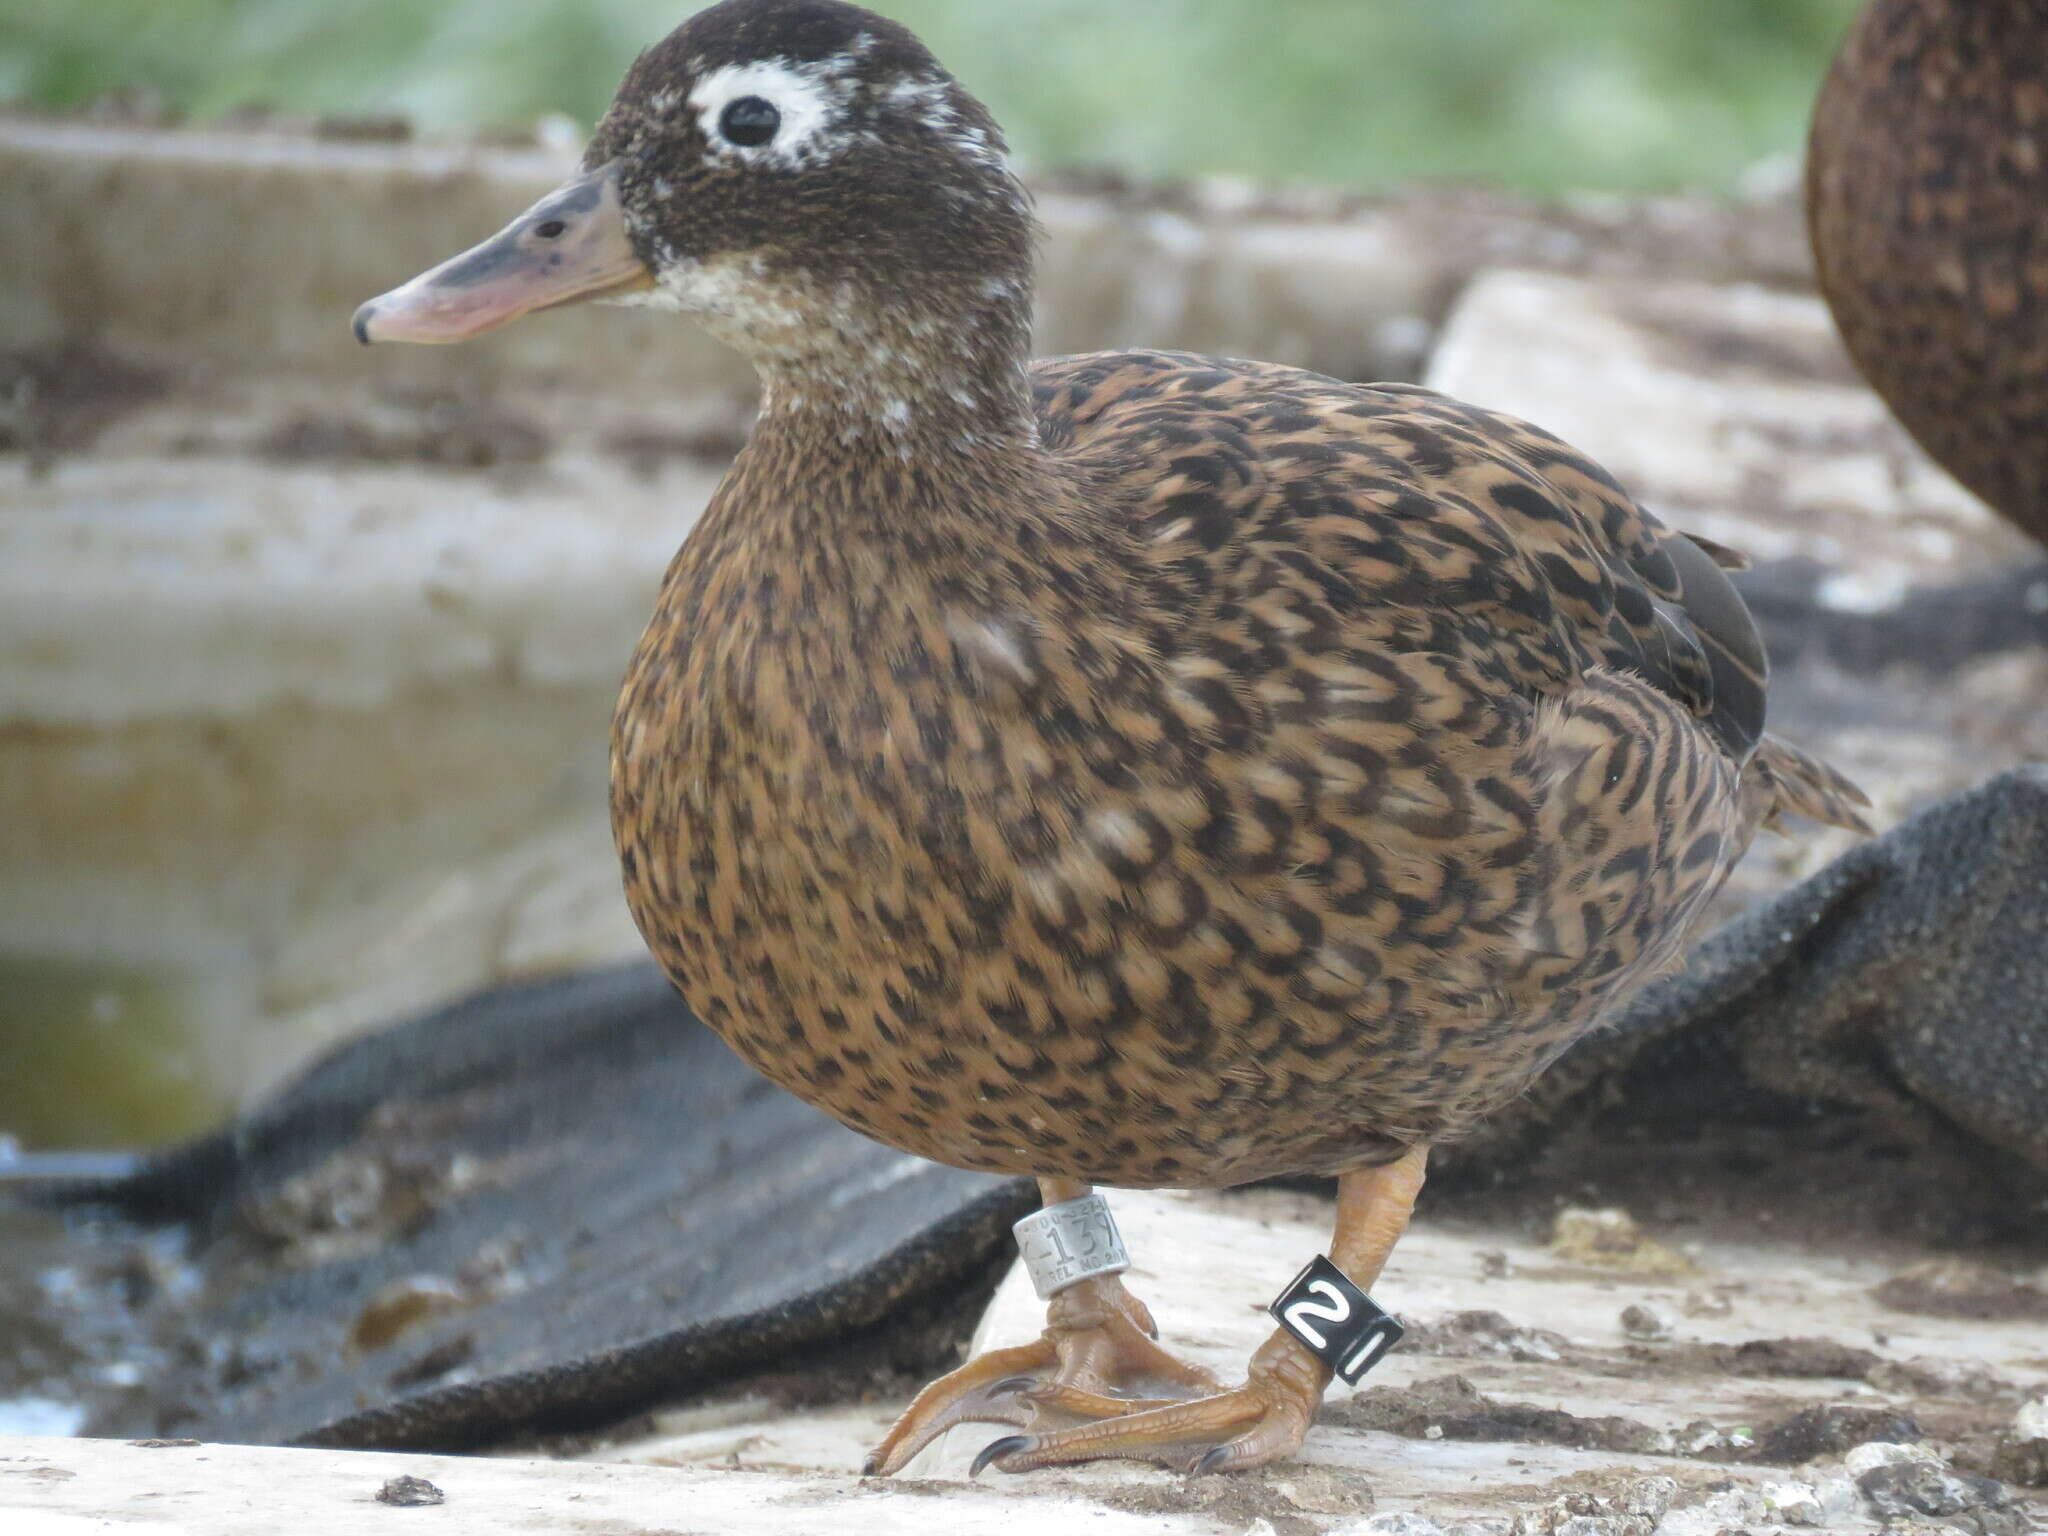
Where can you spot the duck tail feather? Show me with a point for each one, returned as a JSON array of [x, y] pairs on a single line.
[[1726, 558], [1801, 784]]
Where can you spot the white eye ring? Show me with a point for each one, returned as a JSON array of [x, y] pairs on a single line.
[[809, 102]]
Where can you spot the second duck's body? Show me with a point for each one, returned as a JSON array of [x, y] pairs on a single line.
[[1927, 201]]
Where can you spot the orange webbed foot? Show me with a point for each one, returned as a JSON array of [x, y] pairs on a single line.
[[1264, 1420], [1097, 1359], [1097, 1385]]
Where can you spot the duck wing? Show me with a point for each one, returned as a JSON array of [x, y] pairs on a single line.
[[1396, 518]]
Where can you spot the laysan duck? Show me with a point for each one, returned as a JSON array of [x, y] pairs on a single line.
[[1136, 769], [1927, 201]]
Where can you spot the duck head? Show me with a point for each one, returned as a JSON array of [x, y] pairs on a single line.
[[800, 175]]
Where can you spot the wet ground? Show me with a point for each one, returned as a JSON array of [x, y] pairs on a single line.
[[73, 1293]]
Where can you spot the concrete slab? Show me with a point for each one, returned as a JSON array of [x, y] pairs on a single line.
[[1728, 409], [62, 1487]]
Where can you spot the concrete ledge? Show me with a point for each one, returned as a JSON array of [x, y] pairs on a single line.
[[1730, 409], [251, 250]]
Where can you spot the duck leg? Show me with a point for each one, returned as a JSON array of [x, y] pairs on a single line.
[[1266, 1418], [1096, 1359]]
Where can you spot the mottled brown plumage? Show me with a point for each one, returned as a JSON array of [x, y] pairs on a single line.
[[1136, 768], [1927, 199], [1262, 775]]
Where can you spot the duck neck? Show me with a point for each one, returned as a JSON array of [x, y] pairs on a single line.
[[936, 387]]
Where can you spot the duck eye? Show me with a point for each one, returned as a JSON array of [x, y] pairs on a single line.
[[749, 121]]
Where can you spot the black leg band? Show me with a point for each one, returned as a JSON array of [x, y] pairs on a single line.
[[1335, 1321]]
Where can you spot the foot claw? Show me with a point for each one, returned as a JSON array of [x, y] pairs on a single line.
[[1099, 1361], [1262, 1421], [995, 1450], [1094, 1349], [1142, 1316]]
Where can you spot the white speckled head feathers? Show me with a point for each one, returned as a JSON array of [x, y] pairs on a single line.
[[863, 239]]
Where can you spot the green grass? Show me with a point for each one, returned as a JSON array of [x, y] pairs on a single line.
[[1538, 94]]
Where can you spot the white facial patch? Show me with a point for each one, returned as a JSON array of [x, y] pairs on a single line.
[[929, 99], [812, 99], [726, 294]]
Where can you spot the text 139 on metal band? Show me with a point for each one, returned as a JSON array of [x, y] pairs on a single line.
[[1341, 1325]]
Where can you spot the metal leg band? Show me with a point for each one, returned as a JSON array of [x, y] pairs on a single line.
[[1335, 1321], [1064, 1244]]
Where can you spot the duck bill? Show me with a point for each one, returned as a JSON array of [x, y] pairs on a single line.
[[568, 247]]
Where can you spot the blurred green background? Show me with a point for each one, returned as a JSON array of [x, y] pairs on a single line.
[[1537, 94]]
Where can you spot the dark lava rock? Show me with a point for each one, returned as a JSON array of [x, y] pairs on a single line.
[[1457, 1410], [1927, 1488], [2021, 1461], [1783, 1359], [1480, 1333], [1829, 1428], [1955, 1288], [410, 1492]]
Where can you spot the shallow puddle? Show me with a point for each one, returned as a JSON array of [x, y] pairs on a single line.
[[71, 1287], [94, 1055]]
